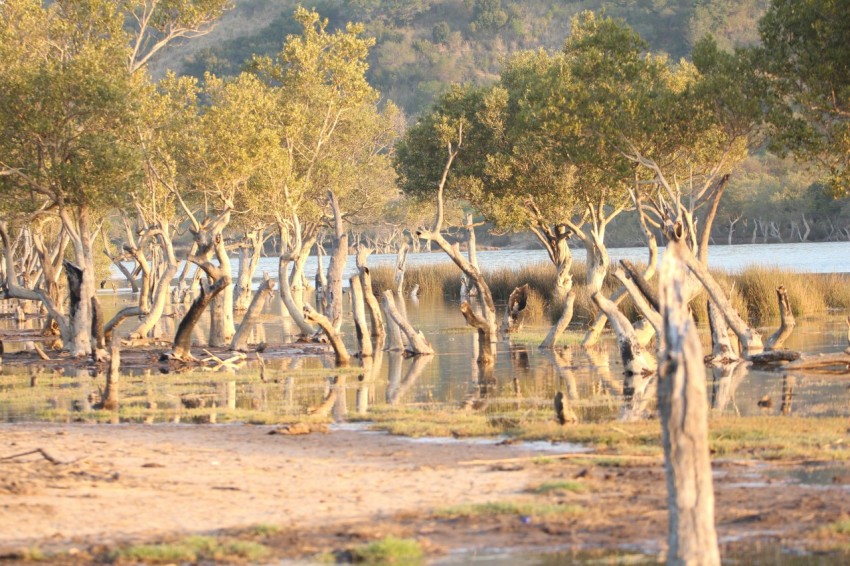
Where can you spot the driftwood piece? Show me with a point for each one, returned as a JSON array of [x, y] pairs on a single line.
[[787, 321], [265, 291], [233, 362], [416, 342], [340, 351], [691, 535], [774, 357]]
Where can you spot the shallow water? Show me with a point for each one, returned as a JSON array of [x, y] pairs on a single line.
[[523, 381]]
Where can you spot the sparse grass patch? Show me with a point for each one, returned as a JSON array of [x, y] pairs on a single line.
[[264, 530], [763, 438], [389, 550], [413, 422], [841, 527], [560, 486], [193, 549], [497, 508]]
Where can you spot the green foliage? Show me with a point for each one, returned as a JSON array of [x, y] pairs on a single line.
[[67, 105], [805, 53], [484, 31]]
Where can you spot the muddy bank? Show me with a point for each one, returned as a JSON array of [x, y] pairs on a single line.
[[92, 488]]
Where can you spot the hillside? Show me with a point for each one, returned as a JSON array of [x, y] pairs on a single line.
[[422, 46]]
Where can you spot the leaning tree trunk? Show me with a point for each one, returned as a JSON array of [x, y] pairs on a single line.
[[682, 403], [163, 286], [265, 291], [368, 294], [249, 259], [182, 348], [359, 311]]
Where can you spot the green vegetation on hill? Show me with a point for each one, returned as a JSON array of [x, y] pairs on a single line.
[[424, 46]]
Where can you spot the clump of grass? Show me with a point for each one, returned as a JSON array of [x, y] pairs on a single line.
[[389, 550], [193, 549], [841, 527], [498, 508], [560, 486], [758, 285], [264, 530], [764, 437]]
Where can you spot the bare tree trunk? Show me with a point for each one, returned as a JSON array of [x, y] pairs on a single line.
[[723, 351], [264, 292], [417, 344], [342, 356], [750, 338], [80, 231], [321, 282], [218, 336], [563, 322], [400, 268], [682, 403], [163, 286], [338, 259], [485, 340], [182, 347], [632, 352], [368, 294], [249, 258], [786, 327], [359, 311]]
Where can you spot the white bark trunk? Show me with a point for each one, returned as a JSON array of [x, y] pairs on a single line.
[[682, 403]]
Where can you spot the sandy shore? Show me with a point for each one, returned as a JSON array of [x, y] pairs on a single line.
[[110, 485]]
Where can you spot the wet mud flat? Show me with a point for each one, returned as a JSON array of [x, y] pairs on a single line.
[[76, 493]]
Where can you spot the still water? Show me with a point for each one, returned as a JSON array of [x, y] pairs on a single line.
[[822, 257], [523, 381]]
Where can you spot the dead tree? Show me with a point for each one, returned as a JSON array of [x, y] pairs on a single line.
[[691, 538]]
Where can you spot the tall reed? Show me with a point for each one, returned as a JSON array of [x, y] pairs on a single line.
[[752, 291]]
